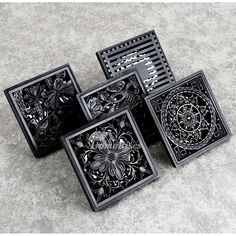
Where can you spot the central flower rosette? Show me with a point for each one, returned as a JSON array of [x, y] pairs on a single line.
[[112, 160], [188, 118], [112, 157], [112, 152]]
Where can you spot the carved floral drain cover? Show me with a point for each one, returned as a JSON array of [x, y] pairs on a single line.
[[110, 158], [46, 108], [116, 93], [188, 118]]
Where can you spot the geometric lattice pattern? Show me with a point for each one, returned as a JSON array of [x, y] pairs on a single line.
[[143, 53]]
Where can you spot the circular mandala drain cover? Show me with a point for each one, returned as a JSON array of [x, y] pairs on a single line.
[[188, 118]]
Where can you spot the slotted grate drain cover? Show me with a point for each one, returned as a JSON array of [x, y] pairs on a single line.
[[46, 108], [109, 158], [117, 93], [188, 118], [145, 54]]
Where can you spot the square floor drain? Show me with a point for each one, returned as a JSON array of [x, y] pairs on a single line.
[[109, 158], [116, 93], [145, 54], [46, 108], [188, 118]]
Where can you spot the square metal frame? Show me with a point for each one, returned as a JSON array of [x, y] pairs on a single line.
[[165, 140], [79, 172], [148, 39], [9, 95]]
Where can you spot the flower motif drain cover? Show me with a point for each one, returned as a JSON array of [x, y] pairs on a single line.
[[46, 108], [117, 93], [143, 53], [188, 118], [110, 158]]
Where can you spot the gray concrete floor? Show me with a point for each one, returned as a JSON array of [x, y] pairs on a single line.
[[43, 195]]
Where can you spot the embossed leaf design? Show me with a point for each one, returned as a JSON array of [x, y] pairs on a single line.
[[33, 94], [59, 94], [95, 106]]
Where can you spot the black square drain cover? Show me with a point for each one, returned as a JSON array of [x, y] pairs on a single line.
[[46, 108], [188, 118], [116, 93], [109, 158], [145, 54]]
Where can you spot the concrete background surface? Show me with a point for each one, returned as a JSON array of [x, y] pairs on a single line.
[[44, 195]]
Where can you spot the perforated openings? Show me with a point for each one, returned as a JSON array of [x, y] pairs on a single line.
[[110, 158], [188, 118], [46, 108], [143, 52]]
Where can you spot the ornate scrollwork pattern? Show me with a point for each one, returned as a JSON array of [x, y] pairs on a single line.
[[111, 157], [188, 118], [122, 93], [126, 92], [46, 106]]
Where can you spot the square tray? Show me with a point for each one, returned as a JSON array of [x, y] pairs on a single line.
[[145, 54], [46, 108], [188, 118], [110, 158], [116, 93]]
